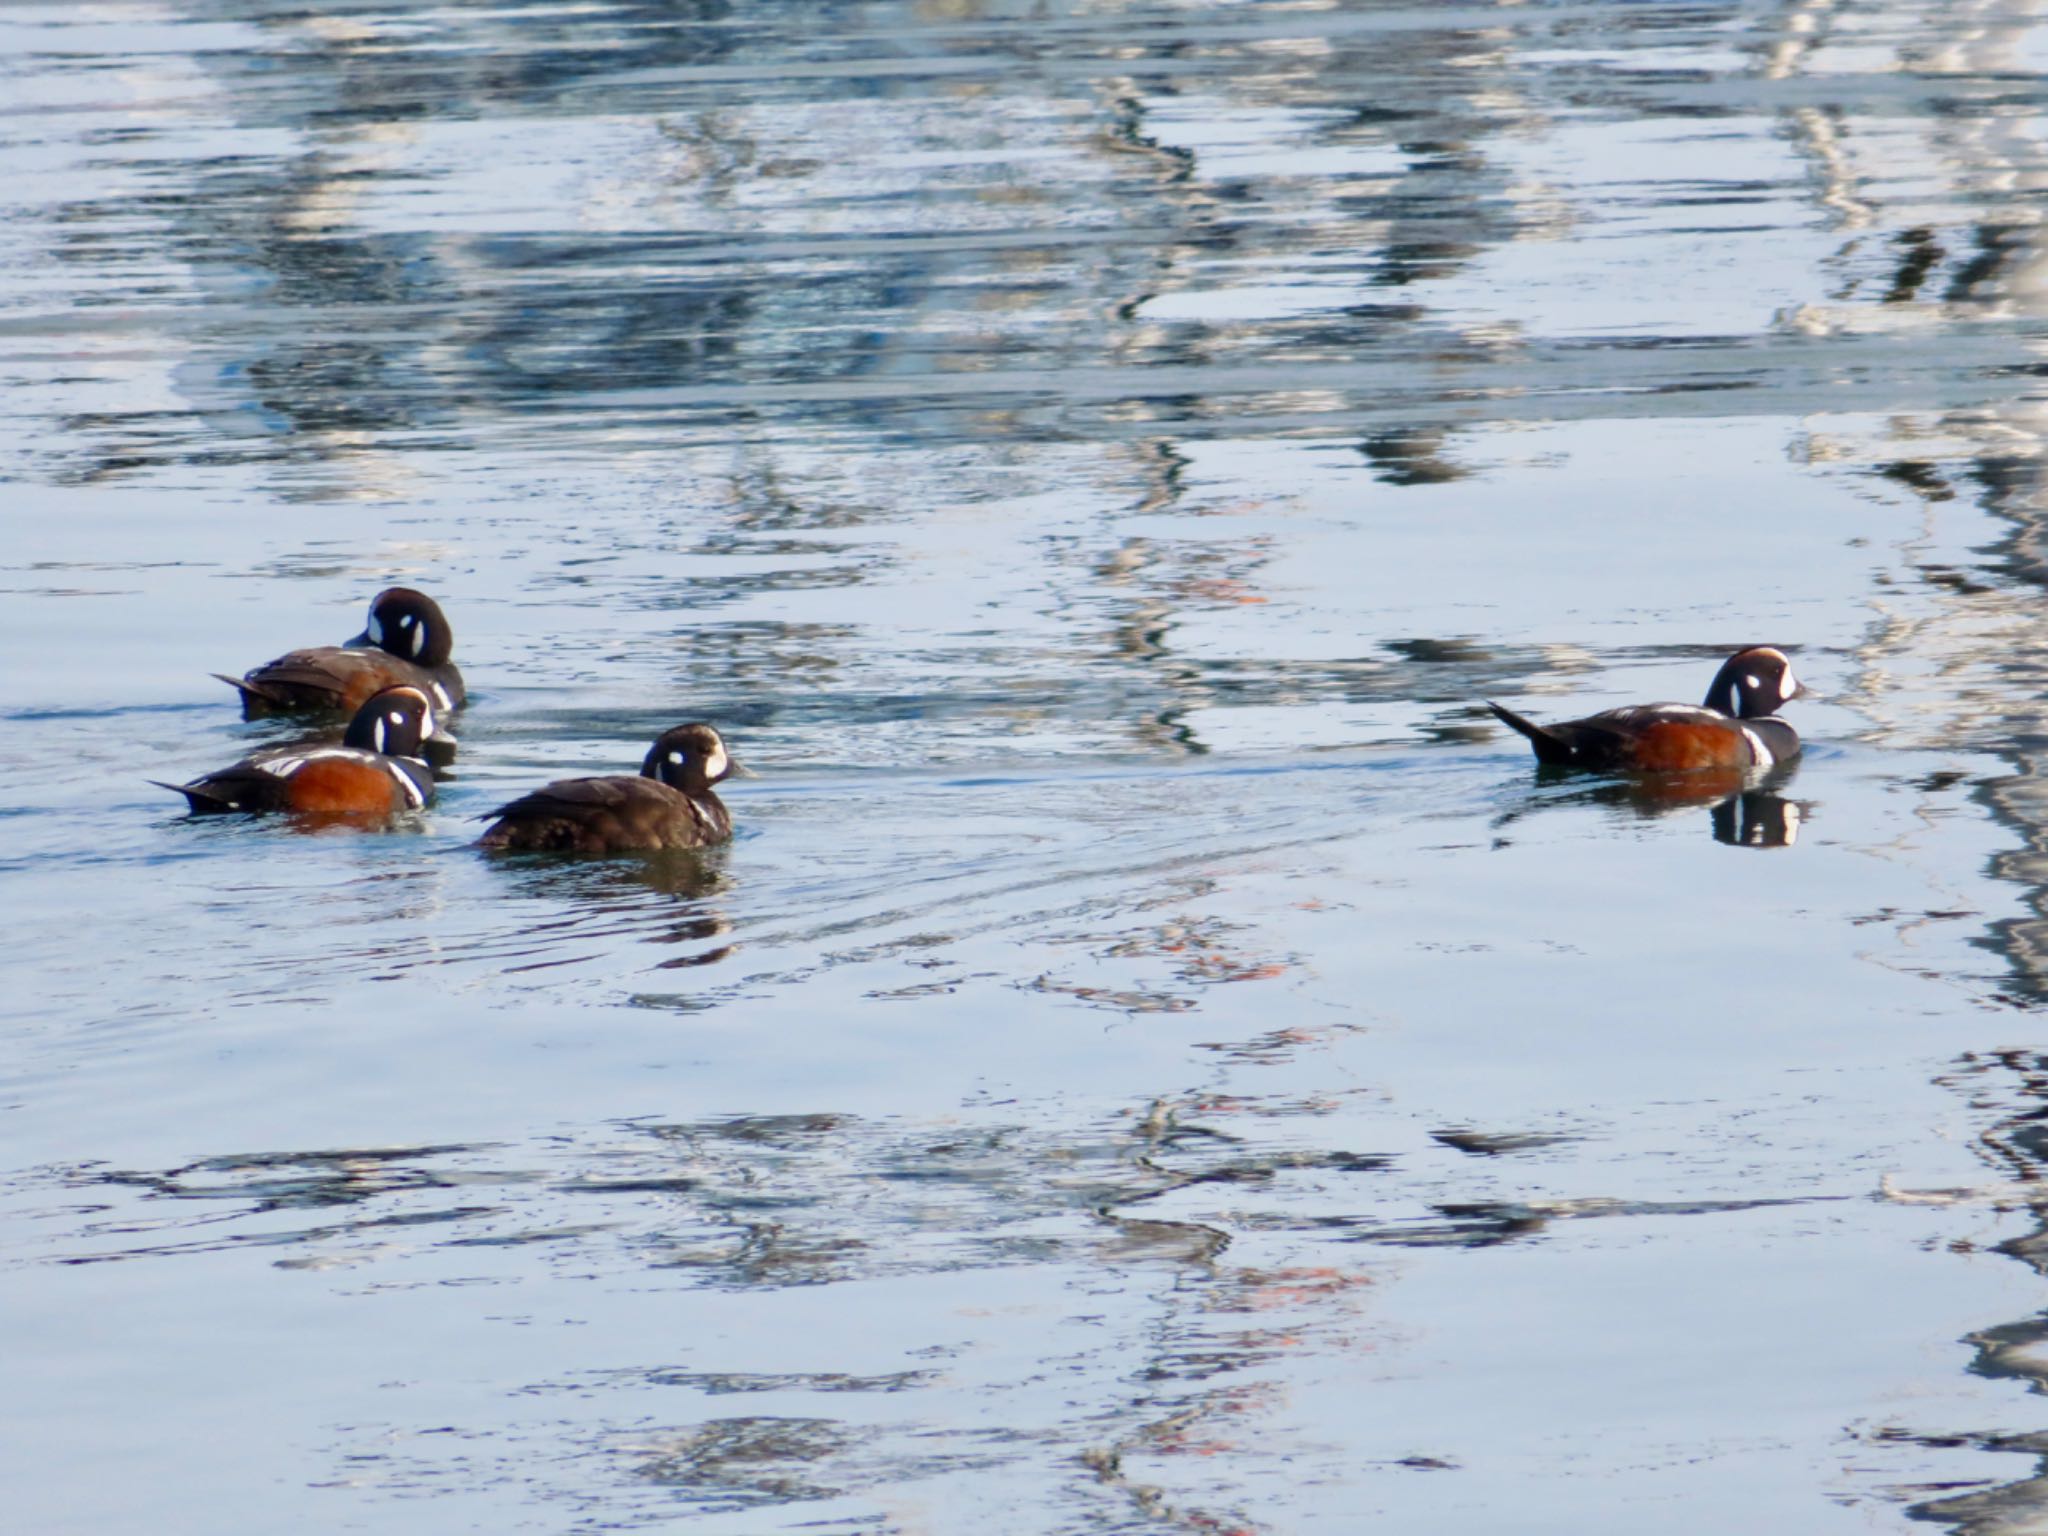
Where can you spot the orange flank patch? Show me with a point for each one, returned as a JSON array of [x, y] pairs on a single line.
[[339, 786], [1678, 748]]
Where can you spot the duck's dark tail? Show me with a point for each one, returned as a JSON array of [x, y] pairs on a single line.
[[250, 691], [197, 796], [1550, 747], [256, 699]]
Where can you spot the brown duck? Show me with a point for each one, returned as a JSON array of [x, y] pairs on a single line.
[[377, 772], [406, 643], [670, 804], [1732, 729]]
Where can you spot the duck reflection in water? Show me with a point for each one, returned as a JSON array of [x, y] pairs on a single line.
[[1744, 809], [1758, 818], [658, 898]]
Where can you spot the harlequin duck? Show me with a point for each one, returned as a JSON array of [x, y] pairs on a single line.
[[1732, 729], [376, 772], [671, 804], [407, 642]]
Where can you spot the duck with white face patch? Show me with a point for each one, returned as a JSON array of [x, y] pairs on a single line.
[[670, 804], [377, 772], [407, 641], [1734, 727]]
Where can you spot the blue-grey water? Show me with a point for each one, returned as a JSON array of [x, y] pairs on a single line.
[[1156, 1057]]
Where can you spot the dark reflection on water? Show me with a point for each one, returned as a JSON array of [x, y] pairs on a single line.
[[1744, 809], [663, 898], [935, 262], [1760, 820], [834, 1202], [758, 1200], [2013, 1085]]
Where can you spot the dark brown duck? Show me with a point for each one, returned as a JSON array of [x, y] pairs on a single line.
[[670, 805]]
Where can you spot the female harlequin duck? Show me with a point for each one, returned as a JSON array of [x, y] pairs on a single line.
[[377, 771], [407, 642], [1733, 729], [671, 804]]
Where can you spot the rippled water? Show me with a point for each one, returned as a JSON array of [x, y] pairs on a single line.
[[1155, 1057]]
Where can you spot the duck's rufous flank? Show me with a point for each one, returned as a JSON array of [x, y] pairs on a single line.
[[1732, 728], [377, 772]]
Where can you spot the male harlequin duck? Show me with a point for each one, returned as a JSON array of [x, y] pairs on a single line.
[[671, 804], [407, 642], [376, 772], [1731, 730]]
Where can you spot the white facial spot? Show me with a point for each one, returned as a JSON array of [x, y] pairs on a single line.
[[1787, 685], [676, 758], [1754, 681], [419, 634], [376, 628], [714, 765], [396, 717]]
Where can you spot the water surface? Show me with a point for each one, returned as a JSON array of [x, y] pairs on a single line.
[[1155, 1058]]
